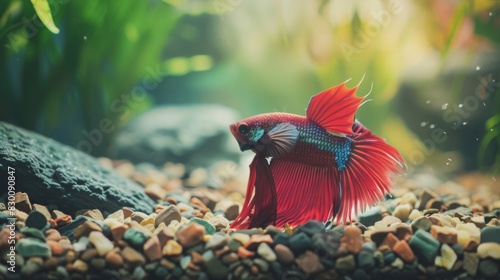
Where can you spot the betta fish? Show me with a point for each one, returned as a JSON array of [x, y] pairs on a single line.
[[323, 166]]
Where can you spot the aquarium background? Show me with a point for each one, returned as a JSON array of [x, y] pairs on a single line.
[[432, 68]]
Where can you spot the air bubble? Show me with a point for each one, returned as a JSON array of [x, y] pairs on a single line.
[[464, 123], [447, 163], [427, 102], [478, 67], [460, 105], [449, 159], [85, 38], [432, 126], [490, 14], [484, 104], [493, 178], [445, 105], [422, 124]]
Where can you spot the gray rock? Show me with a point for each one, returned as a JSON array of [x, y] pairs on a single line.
[[53, 173], [490, 234], [191, 134], [371, 216], [488, 268]]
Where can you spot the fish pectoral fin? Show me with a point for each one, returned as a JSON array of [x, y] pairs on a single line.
[[281, 139], [334, 109], [305, 192]]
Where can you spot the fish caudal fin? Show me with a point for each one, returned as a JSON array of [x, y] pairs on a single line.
[[305, 192], [260, 209], [367, 176], [334, 109]]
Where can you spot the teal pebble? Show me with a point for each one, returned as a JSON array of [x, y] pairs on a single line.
[[209, 228], [135, 237], [424, 246], [31, 247], [33, 232]]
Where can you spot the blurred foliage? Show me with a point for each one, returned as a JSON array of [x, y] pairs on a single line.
[[86, 72]]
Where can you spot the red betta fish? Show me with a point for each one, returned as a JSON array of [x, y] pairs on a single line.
[[323, 165]]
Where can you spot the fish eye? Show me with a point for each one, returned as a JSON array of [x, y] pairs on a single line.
[[243, 129]]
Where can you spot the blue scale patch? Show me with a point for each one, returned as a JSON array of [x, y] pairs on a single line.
[[255, 134], [317, 136]]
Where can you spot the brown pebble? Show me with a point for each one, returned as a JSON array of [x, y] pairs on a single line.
[[221, 251], [114, 259], [232, 212], [50, 263], [86, 228], [196, 258], [284, 254], [152, 248], [230, 258], [444, 234], [91, 213], [168, 215], [155, 191], [191, 235], [254, 270], [164, 235], [244, 253], [57, 214], [127, 212], [256, 239], [63, 220], [71, 256], [403, 232], [55, 247], [80, 266], [379, 236], [118, 231], [89, 254], [403, 250], [52, 234], [98, 263], [22, 202], [168, 264], [133, 257], [390, 240], [309, 263], [352, 241]]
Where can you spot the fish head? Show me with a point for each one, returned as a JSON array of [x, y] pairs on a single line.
[[248, 133]]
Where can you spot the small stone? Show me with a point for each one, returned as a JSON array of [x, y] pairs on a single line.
[[415, 214], [371, 216], [32, 266], [55, 247], [284, 254], [402, 212], [266, 252], [191, 235], [33, 232], [232, 212], [118, 231], [52, 234], [299, 243], [219, 222], [209, 228], [149, 222], [50, 263], [444, 234], [490, 249], [138, 216], [448, 257], [488, 268], [478, 221], [36, 219], [31, 247], [62, 221], [242, 238], [172, 248], [229, 258], [471, 262], [425, 247], [152, 248], [352, 242], [80, 266], [390, 240], [88, 255], [422, 223], [100, 242], [366, 260], [397, 264], [98, 263], [309, 263], [167, 215], [22, 202], [216, 241], [118, 215], [408, 197], [426, 196], [135, 237], [244, 253], [114, 260], [490, 234], [133, 257], [256, 239], [164, 234], [403, 250], [91, 213], [345, 264], [86, 228], [216, 269], [467, 233], [310, 228]]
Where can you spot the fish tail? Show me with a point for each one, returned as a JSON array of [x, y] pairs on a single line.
[[367, 176]]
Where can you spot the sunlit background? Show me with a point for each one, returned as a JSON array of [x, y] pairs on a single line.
[[432, 67]]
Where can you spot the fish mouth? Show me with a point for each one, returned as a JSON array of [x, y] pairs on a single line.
[[245, 146]]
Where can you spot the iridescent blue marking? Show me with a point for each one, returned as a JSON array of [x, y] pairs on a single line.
[[255, 134], [324, 141]]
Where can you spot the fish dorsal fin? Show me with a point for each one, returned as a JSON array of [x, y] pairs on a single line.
[[281, 139], [334, 109]]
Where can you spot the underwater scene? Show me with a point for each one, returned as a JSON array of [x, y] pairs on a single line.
[[238, 139]]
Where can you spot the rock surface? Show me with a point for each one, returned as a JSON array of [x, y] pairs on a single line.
[[52, 173]]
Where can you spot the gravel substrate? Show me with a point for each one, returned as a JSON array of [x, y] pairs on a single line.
[[449, 232]]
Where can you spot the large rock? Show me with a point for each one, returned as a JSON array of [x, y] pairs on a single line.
[[53, 173], [196, 135]]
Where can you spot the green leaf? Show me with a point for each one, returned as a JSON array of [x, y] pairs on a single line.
[[492, 122], [485, 143], [42, 9]]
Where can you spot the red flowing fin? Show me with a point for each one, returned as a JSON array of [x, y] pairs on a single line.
[[305, 192], [334, 109], [258, 210], [281, 139], [367, 176]]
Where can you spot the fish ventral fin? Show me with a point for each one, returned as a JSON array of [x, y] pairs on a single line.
[[281, 139], [334, 109]]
